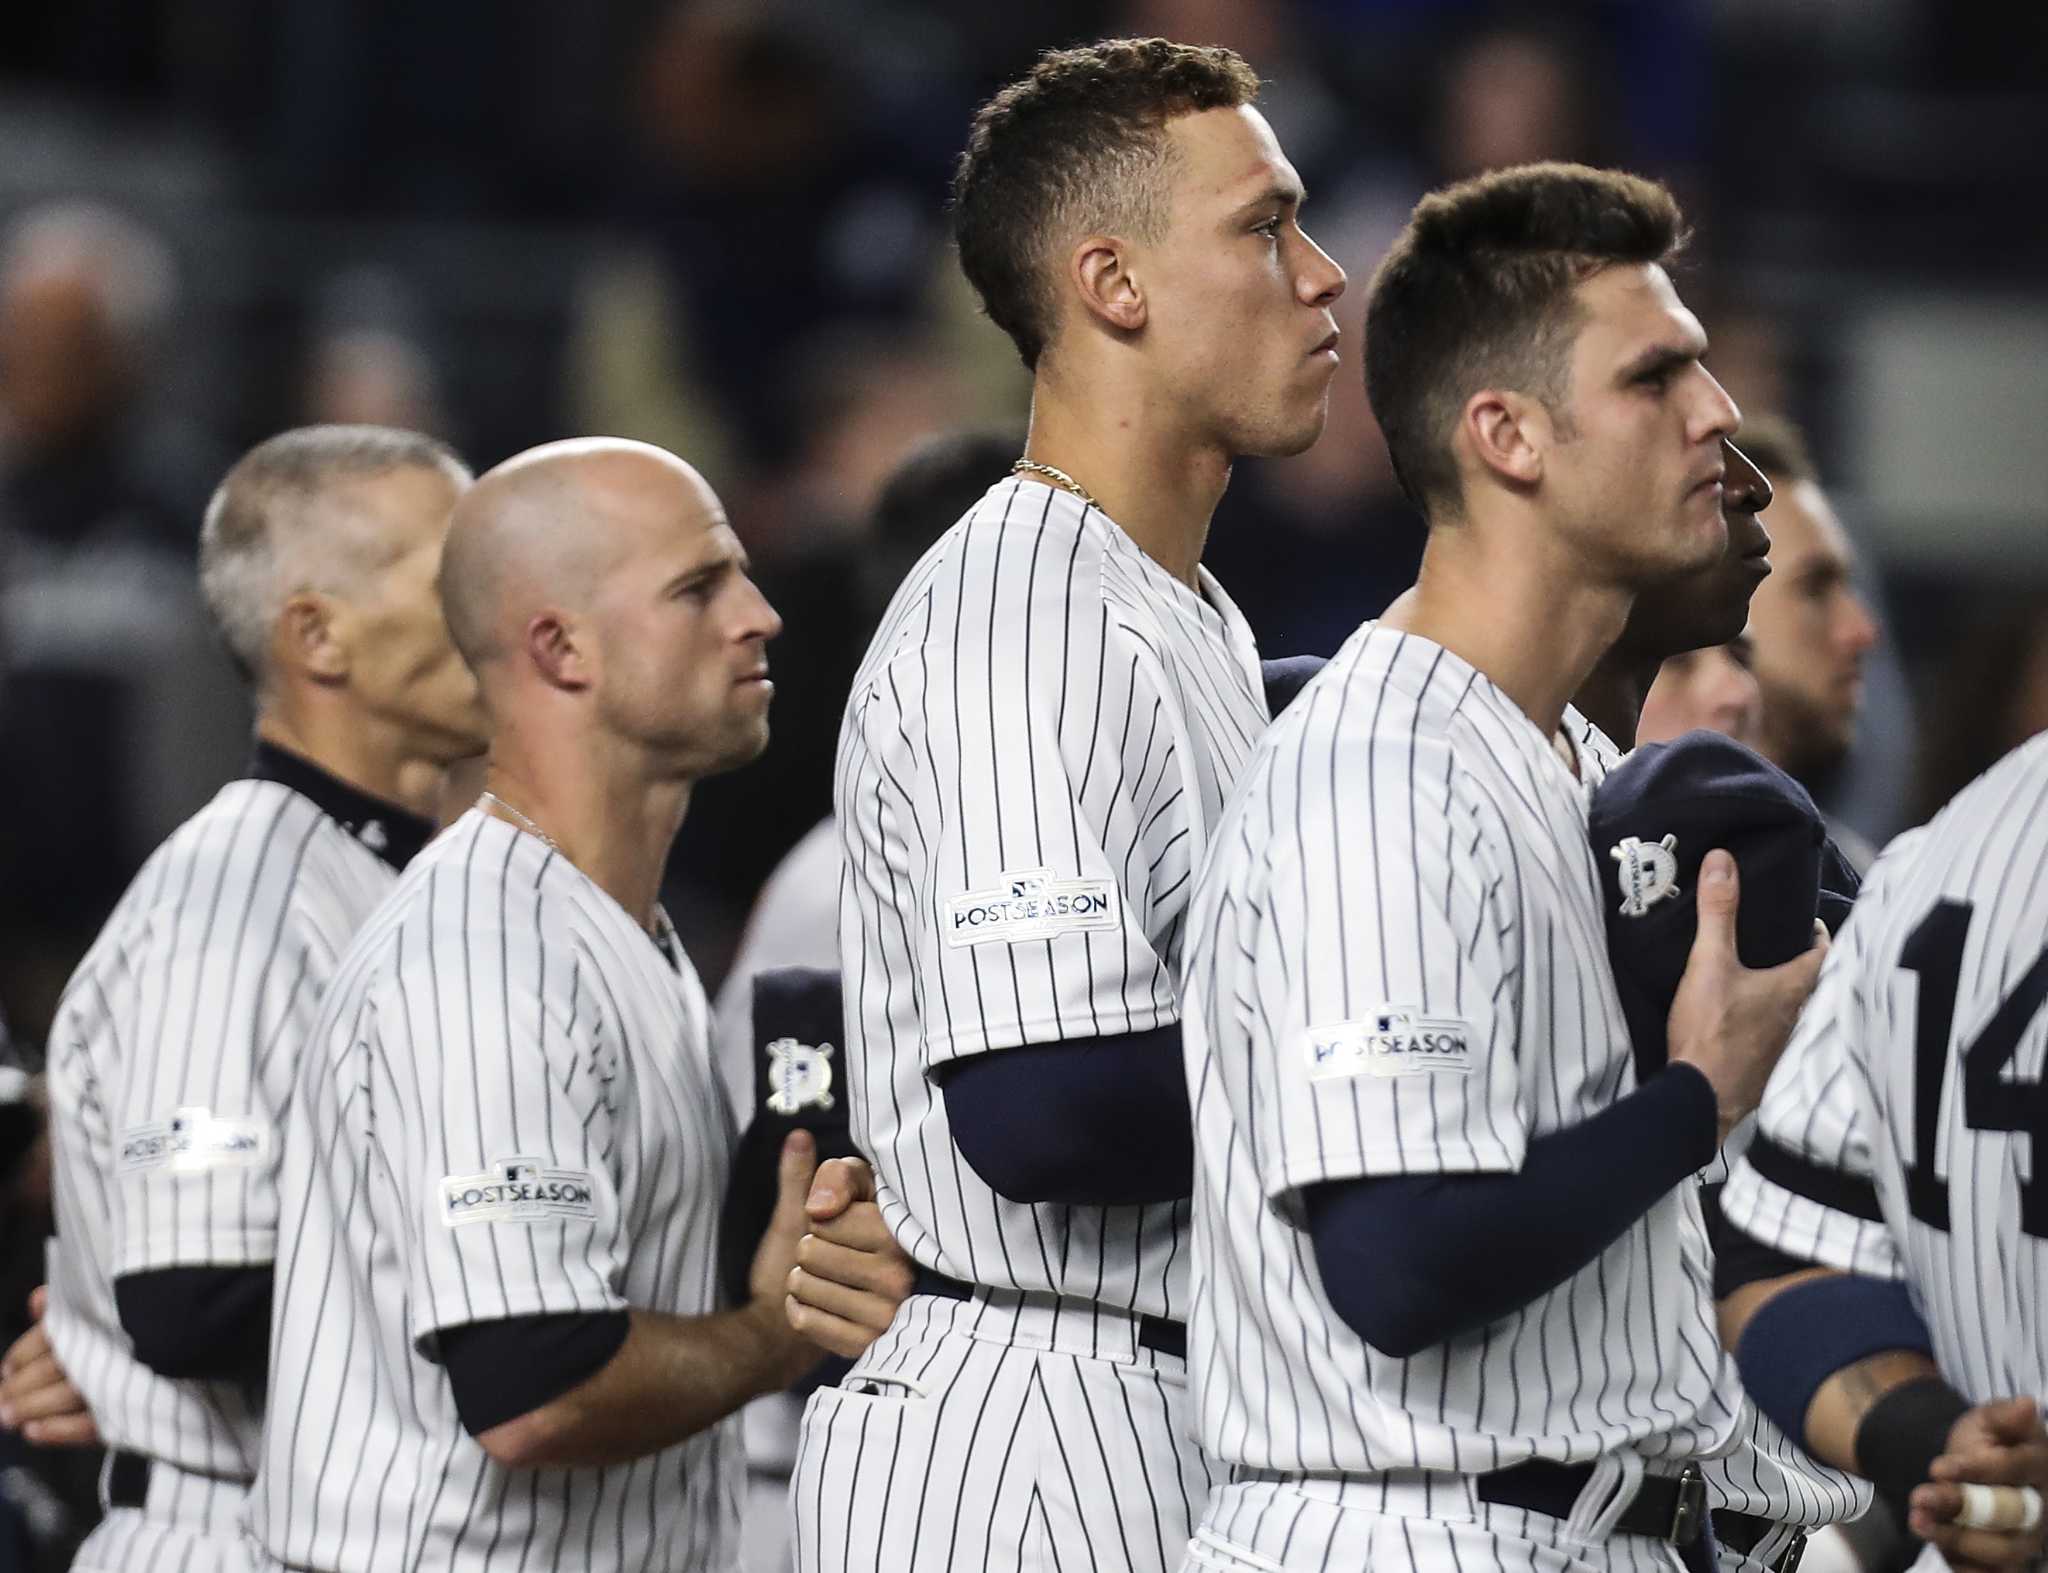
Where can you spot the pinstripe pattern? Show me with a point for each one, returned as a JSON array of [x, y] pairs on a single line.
[[1042, 702], [992, 1435], [1766, 1473], [197, 994], [1845, 1098], [497, 1006], [1041, 695], [1404, 844]]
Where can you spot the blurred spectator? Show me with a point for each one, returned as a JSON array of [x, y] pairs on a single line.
[[368, 361], [85, 298], [782, 197], [119, 713], [1712, 688], [1988, 695], [1809, 628]]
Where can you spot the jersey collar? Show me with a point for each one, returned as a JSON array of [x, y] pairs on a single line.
[[393, 833]]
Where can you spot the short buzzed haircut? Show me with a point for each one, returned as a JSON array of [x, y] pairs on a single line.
[[1078, 146], [260, 544], [1778, 448], [1478, 292]]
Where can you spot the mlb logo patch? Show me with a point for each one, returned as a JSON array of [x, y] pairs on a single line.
[[1647, 872], [800, 1076]]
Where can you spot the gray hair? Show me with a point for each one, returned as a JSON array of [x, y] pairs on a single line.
[[128, 268], [258, 547]]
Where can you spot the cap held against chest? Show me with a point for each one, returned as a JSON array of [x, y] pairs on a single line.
[[1653, 821]]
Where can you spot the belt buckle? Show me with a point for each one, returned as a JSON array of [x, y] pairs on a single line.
[[1788, 1559], [1690, 1513]]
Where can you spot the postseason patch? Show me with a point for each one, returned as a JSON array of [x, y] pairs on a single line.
[[1390, 1042], [1031, 905], [194, 1140], [517, 1190]]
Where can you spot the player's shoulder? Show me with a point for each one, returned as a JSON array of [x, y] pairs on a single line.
[[1387, 695], [243, 852], [1023, 557]]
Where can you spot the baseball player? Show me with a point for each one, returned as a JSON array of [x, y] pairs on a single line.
[[1456, 1309], [172, 1051], [1888, 1310], [498, 1339], [1041, 735]]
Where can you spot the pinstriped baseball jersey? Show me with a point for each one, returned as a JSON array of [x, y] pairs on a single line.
[[1043, 729], [1766, 1473], [1397, 964], [170, 1067], [508, 1108], [1902, 1133]]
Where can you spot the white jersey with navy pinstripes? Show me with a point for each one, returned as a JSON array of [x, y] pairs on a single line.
[[1397, 965], [1045, 726], [1904, 1134], [508, 1109], [170, 1068]]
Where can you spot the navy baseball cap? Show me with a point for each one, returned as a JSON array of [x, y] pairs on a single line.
[[1653, 821], [799, 1084]]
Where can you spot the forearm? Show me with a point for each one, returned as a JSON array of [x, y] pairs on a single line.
[[673, 1377], [1411, 1261], [1821, 1351]]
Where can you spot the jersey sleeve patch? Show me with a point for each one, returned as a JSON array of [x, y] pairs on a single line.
[[1389, 1042], [517, 1190], [1032, 904], [194, 1140]]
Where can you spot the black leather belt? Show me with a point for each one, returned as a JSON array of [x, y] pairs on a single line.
[[1154, 1332], [1666, 1507], [1744, 1532], [127, 1478]]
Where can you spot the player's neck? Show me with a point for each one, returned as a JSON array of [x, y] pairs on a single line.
[[1523, 615], [596, 805], [357, 749], [1158, 486], [1612, 695]]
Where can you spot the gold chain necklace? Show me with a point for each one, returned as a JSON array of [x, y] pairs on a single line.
[[524, 820], [1058, 477]]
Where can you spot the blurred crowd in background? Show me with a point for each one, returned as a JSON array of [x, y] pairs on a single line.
[[719, 225]]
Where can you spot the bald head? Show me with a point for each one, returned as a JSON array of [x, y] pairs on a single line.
[[545, 527]]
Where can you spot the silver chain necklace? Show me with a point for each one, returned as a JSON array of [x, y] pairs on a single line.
[[1058, 477], [492, 797]]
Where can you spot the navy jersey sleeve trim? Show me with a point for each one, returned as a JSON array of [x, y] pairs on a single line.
[[1839, 1192], [504, 1369], [1086, 1122], [209, 1323]]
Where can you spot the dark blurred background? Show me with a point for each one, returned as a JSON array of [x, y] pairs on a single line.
[[719, 226]]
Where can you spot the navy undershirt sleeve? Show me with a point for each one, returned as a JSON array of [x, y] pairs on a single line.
[[1088, 1122], [503, 1369], [1410, 1261], [206, 1323]]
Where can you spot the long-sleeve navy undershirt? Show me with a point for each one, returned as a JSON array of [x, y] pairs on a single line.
[[1411, 1261]]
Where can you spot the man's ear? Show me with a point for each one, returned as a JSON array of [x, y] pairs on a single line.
[[1506, 435], [557, 647], [311, 636], [1104, 272]]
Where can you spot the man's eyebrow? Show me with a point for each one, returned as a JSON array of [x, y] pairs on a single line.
[[1286, 194], [1661, 358]]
